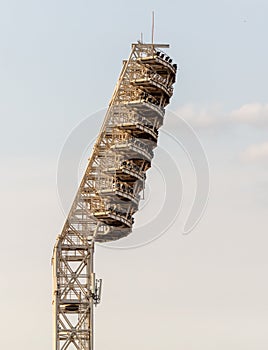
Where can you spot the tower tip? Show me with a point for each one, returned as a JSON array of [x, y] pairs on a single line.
[[152, 27]]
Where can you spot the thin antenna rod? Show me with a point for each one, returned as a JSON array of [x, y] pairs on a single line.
[[152, 27]]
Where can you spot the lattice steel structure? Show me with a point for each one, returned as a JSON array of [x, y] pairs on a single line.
[[109, 193]]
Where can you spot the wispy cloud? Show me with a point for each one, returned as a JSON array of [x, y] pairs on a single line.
[[256, 152], [214, 118], [202, 117], [251, 113], [211, 117]]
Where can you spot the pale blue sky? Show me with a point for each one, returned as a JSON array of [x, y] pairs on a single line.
[[59, 62]]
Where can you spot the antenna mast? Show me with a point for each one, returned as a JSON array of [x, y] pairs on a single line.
[[153, 27]]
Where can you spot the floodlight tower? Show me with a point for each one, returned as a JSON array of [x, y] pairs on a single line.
[[109, 193]]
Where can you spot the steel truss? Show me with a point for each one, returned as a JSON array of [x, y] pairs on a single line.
[[109, 193]]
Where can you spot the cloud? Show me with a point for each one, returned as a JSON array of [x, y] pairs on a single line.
[[215, 120], [256, 152], [213, 116], [201, 117], [251, 113]]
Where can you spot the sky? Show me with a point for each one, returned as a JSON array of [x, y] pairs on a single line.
[[59, 63]]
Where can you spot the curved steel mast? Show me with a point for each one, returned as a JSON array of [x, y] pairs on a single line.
[[109, 193]]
